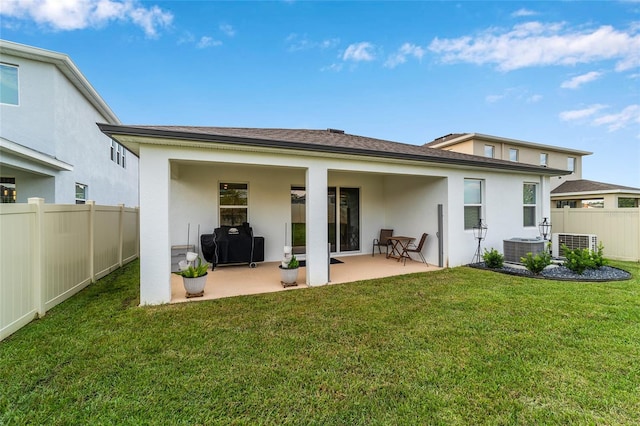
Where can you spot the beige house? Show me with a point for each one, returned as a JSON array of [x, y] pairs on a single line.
[[517, 151], [588, 193]]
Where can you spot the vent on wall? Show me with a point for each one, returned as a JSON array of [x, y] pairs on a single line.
[[573, 241]]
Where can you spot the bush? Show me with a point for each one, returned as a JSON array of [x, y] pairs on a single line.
[[580, 259], [493, 259], [536, 264]]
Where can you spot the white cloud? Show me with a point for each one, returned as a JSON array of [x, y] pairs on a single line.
[[297, 42], [493, 98], [67, 15], [538, 44], [359, 52], [400, 57], [206, 41], [629, 115], [228, 30], [523, 13], [579, 80], [534, 99], [332, 67], [580, 114]]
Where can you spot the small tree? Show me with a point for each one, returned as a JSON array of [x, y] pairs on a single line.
[[493, 259], [536, 264]]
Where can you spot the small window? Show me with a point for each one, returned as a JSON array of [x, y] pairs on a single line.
[[627, 202], [513, 154], [489, 151], [571, 164], [566, 203], [544, 159], [81, 193], [234, 203], [529, 197], [9, 93], [472, 202], [8, 189], [118, 153]]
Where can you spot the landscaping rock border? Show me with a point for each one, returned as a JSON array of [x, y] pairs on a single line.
[[562, 273]]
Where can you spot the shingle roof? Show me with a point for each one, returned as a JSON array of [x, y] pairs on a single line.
[[584, 185], [330, 140], [445, 138]]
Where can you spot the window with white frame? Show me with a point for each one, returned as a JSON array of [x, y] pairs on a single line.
[[233, 203], [118, 153], [81, 193], [489, 151], [571, 164], [472, 202], [544, 159], [513, 154], [529, 203], [9, 92]]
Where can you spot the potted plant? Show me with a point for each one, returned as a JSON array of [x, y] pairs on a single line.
[[194, 278], [289, 272]]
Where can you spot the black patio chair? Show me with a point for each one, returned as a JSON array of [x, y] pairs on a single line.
[[382, 241], [412, 248]]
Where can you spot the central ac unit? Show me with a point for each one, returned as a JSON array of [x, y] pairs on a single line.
[[573, 241]]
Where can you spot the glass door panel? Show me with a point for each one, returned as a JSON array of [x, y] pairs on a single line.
[[331, 214], [349, 219], [298, 219]]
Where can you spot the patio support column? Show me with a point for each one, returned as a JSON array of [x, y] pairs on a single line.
[[155, 251], [317, 219]]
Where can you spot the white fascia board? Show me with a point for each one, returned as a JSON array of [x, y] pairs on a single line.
[[34, 156], [602, 192], [67, 67]]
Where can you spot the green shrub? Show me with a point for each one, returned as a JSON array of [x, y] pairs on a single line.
[[536, 264], [493, 259], [580, 259], [195, 271]]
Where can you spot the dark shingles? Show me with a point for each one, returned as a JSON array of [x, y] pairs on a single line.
[[584, 185]]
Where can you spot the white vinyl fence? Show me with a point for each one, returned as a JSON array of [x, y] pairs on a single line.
[[617, 229], [50, 252]]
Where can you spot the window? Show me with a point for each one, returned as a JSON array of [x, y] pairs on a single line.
[[8, 190], [9, 84], [233, 204], [627, 202], [489, 151], [571, 164], [529, 191], [472, 202], [81, 193], [513, 154], [118, 153], [544, 159], [563, 203]]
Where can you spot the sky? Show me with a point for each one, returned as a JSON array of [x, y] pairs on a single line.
[[563, 73]]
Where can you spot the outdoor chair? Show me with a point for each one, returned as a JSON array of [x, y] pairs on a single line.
[[382, 241], [412, 248]]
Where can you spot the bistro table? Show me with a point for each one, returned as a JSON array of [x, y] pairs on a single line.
[[398, 244]]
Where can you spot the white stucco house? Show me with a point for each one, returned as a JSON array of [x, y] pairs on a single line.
[[351, 187], [50, 146]]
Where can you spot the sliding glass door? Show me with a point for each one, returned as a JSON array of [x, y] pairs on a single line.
[[343, 227]]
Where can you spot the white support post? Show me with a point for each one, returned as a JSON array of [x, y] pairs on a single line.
[[39, 294], [317, 219]]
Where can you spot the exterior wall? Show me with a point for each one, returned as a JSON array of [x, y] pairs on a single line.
[[617, 229], [179, 186], [55, 119]]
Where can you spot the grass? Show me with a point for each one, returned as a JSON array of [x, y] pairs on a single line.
[[457, 346]]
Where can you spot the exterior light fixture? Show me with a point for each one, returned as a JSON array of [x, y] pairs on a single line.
[[479, 233], [545, 228]]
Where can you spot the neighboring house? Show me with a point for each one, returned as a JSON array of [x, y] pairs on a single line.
[[50, 146], [516, 151], [588, 193], [351, 187]]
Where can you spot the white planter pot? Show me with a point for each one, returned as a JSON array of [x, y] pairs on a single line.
[[288, 277], [195, 286]]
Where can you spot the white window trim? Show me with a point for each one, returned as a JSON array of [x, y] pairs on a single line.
[[481, 205], [86, 193], [517, 151], [18, 83], [544, 155], [534, 205], [493, 151], [221, 207]]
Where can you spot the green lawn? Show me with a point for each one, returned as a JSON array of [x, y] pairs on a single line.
[[457, 346]]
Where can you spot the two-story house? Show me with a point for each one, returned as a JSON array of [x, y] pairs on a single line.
[[570, 190], [50, 146]]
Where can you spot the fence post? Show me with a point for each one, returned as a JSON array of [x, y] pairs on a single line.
[[565, 219], [39, 293], [92, 239], [121, 233]]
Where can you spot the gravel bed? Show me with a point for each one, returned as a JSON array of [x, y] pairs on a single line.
[[555, 272]]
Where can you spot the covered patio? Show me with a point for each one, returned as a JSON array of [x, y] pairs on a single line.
[[237, 280]]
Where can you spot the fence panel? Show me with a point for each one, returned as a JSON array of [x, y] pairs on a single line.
[[50, 252], [617, 229], [17, 291]]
